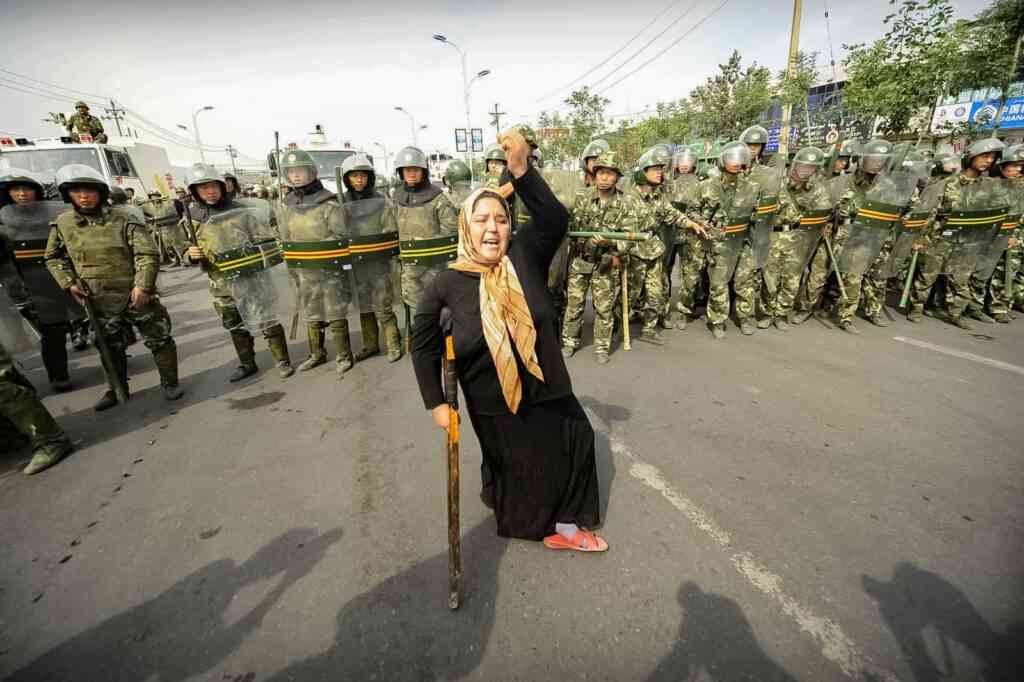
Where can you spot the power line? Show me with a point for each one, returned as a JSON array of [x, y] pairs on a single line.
[[613, 54], [667, 47], [53, 85], [32, 90]]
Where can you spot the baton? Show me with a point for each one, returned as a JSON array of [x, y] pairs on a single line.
[[835, 267]]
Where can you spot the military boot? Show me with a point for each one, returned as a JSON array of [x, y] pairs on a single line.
[[246, 356], [343, 359], [800, 316], [746, 328], [764, 323], [1001, 317], [371, 337], [120, 368], [166, 360], [48, 454], [279, 350], [916, 313], [980, 315], [317, 354], [393, 341]]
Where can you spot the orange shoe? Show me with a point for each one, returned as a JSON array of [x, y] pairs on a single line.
[[584, 541]]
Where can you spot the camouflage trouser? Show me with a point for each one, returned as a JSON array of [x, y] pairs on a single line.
[[929, 267], [557, 274], [20, 406], [1001, 303], [692, 260], [604, 292], [373, 287], [172, 241], [415, 279], [744, 281], [647, 289], [782, 274], [817, 278], [870, 286], [152, 321], [231, 320]]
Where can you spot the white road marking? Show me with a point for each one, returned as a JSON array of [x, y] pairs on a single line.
[[833, 642], [963, 355]]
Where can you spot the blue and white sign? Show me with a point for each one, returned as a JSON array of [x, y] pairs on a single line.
[[983, 114]]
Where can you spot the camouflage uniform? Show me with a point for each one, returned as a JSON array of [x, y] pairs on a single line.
[[163, 220], [647, 259], [21, 408], [592, 266], [690, 250], [715, 202], [999, 303], [821, 268], [88, 124]]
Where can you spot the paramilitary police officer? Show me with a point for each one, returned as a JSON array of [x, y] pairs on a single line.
[[24, 229], [689, 243], [162, 219], [805, 210], [970, 210], [596, 263], [101, 253], [84, 123], [221, 226], [726, 204], [314, 234], [428, 228], [495, 159], [1009, 168], [21, 408], [373, 232]]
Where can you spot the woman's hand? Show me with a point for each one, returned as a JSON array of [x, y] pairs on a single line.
[[517, 152], [441, 416]]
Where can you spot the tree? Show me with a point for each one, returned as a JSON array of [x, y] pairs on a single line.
[[732, 100], [585, 119]]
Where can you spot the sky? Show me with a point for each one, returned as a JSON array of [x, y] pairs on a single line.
[[267, 66]]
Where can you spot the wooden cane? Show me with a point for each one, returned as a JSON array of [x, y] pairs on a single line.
[[451, 394], [626, 344]]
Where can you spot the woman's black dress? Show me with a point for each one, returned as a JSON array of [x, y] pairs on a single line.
[[542, 458]]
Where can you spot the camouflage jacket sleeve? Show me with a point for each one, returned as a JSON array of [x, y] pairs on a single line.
[[336, 223], [847, 206], [57, 262], [703, 206], [667, 214], [789, 210], [447, 214], [145, 255]]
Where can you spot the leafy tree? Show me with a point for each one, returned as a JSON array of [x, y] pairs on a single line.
[[585, 119], [732, 99]]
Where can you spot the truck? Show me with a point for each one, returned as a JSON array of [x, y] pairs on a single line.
[[326, 155], [124, 162]]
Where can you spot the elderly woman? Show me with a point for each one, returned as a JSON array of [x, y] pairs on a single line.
[[533, 433]]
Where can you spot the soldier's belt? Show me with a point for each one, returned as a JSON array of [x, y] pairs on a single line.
[[971, 219], [1011, 223], [879, 215], [767, 206], [373, 247], [29, 250], [915, 221], [246, 259], [328, 254], [429, 251]]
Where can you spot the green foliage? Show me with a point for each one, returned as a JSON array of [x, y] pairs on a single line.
[[793, 86], [732, 99], [585, 119]]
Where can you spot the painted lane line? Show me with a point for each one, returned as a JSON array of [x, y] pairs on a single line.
[[835, 645], [963, 355]]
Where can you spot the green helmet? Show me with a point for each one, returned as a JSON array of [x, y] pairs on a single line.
[[297, 158], [495, 153], [118, 196], [154, 193], [848, 148], [80, 175], [457, 172], [754, 135], [984, 146], [18, 176], [358, 162], [735, 152], [80, 103], [945, 163], [410, 157], [806, 163], [608, 160], [875, 155], [639, 177], [1012, 154], [655, 156], [594, 149]]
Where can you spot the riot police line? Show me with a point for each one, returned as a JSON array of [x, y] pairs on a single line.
[[766, 241]]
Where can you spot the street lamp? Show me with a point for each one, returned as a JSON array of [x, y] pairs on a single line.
[[195, 130], [412, 127], [466, 83], [384, 149]]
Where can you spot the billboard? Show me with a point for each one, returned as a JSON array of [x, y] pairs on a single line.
[[983, 114]]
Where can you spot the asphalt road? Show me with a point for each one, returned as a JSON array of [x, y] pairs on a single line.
[[793, 506]]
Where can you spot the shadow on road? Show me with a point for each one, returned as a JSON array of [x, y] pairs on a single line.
[[916, 601], [715, 643], [402, 628], [184, 631]]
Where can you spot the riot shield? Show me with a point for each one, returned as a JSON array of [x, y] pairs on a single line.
[[912, 227], [684, 190], [373, 243], [813, 218], [318, 258], [972, 227], [838, 185], [731, 233], [565, 185], [769, 178], [15, 333], [991, 253], [28, 227], [259, 207], [883, 206]]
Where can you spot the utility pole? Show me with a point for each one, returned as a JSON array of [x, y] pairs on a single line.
[[794, 47], [116, 114], [232, 152], [496, 118]]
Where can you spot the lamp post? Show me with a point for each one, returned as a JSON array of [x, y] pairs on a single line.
[[195, 130], [412, 126], [384, 149], [466, 83]]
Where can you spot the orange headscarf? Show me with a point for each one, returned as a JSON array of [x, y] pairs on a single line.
[[504, 314]]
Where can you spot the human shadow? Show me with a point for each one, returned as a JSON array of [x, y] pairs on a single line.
[[607, 414], [185, 630], [916, 601], [402, 629], [716, 642]]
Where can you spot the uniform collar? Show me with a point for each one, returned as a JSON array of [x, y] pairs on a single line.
[[100, 216]]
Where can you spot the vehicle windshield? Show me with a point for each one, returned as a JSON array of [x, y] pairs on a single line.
[[50, 160], [327, 161]]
